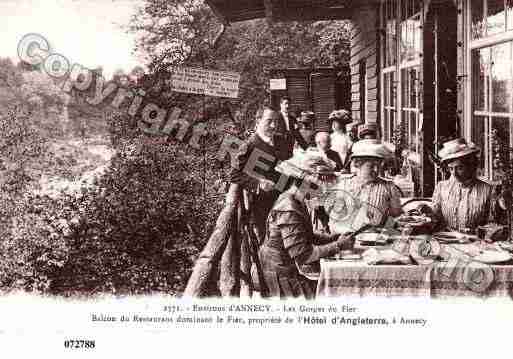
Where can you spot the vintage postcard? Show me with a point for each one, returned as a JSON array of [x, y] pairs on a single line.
[[262, 167]]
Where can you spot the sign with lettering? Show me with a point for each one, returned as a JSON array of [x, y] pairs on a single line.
[[205, 82], [278, 84]]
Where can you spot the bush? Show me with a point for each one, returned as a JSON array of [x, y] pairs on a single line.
[[31, 239], [137, 230], [140, 226], [33, 245]]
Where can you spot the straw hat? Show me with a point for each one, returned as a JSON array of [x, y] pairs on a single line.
[[457, 148], [305, 163], [370, 148]]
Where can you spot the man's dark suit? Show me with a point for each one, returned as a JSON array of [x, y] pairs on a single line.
[[335, 157], [262, 200], [287, 138]]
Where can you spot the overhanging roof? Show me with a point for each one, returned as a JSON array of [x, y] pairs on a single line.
[[284, 10]]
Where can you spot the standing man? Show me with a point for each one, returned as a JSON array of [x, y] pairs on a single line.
[[264, 142], [287, 128]]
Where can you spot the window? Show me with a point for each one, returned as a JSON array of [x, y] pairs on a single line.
[[491, 54], [410, 30], [491, 17], [389, 13], [410, 104], [389, 81], [401, 68], [389, 111]]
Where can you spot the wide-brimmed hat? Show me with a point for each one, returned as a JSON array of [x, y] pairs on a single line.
[[457, 148], [370, 148], [341, 116], [306, 117], [305, 163]]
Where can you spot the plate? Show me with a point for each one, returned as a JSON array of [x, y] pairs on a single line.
[[350, 257], [491, 257], [385, 256], [506, 245], [450, 237], [370, 238], [413, 220]]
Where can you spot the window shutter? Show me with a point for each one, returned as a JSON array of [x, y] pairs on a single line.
[[323, 98]]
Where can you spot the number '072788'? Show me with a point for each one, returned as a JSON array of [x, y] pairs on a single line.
[[79, 344]]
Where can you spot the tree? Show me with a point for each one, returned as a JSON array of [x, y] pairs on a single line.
[[182, 32]]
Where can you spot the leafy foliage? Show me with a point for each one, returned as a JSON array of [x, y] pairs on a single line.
[[138, 228], [142, 223], [182, 32]]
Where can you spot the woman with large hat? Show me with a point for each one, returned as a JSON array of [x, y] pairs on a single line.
[[364, 197], [290, 242], [463, 202], [341, 142]]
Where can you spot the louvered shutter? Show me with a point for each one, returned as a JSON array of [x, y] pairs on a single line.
[[323, 98]]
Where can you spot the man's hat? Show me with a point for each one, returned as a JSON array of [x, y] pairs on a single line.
[[306, 117], [456, 149]]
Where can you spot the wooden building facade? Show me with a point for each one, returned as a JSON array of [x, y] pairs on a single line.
[[441, 68], [319, 90]]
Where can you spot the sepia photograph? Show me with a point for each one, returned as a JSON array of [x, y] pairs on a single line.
[[221, 159]]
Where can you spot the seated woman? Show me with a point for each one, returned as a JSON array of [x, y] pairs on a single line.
[[364, 197], [463, 202], [290, 241]]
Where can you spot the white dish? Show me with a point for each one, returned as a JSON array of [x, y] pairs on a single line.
[[407, 220], [507, 246], [370, 237], [449, 237], [350, 257], [491, 257]]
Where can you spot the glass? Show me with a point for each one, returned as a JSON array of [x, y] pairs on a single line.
[[390, 37], [405, 88], [393, 122], [413, 131], [387, 89], [478, 21], [509, 15], [390, 89], [502, 125], [386, 122], [389, 125], [389, 102], [480, 78], [501, 79], [414, 77], [409, 87], [410, 30], [496, 17], [478, 137]]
